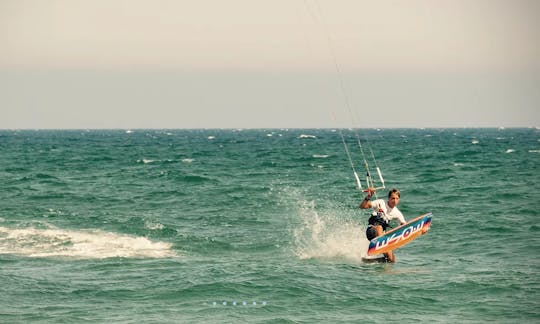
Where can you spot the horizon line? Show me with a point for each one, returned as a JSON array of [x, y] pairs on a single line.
[[263, 128]]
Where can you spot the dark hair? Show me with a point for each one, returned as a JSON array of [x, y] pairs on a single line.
[[394, 191]]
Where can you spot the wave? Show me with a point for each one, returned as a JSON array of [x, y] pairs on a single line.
[[192, 178], [148, 161], [79, 244]]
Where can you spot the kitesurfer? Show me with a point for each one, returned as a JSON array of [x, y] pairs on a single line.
[[383, 213]]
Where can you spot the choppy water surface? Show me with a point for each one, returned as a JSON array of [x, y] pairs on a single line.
[[179, 226]]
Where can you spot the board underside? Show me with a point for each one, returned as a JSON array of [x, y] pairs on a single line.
[[400, 236]]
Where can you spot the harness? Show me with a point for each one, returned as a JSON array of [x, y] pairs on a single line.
[[378, 219]]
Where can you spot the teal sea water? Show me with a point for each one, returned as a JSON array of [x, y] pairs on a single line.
[[262, 226]]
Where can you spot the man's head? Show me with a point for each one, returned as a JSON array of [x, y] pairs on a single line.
[[393, 198]]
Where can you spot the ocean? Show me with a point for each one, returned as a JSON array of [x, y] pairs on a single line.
[[263, 226]]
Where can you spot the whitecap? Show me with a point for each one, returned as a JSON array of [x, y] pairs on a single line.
[[307, 136], [79, 244], [153, 225], [475, 141], [211, 137], [320, 156], [187, 160], [510, 151], [534, 151]]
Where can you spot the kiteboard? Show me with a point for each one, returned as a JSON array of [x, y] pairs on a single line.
[[400, 235]]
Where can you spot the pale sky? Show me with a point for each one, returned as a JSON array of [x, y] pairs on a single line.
[[269, 63]]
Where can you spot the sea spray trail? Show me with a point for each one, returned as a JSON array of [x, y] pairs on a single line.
[[327, 234], [95, 244], [174, 226]]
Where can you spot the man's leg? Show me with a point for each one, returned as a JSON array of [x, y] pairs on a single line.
[[390, 257]]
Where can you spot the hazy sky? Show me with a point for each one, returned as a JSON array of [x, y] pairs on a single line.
[[269, 63]]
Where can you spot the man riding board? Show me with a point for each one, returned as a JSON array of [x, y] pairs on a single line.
[[383, 213]]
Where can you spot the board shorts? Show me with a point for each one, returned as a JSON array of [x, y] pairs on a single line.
[[374, 220]]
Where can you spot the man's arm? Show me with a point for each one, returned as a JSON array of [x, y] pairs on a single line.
[[402, 220], [366, 203]]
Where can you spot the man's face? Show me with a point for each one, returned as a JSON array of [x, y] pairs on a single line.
[[393, 200]]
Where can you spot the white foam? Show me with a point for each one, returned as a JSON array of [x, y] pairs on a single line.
[[307, 136], [80, 244], [510, 151], [153, 225]]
